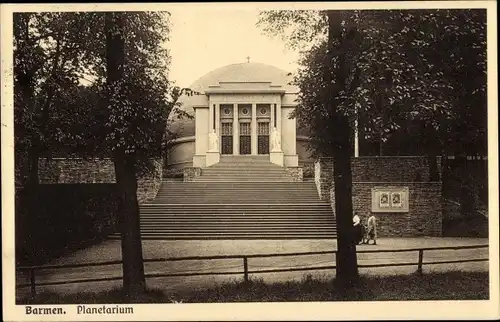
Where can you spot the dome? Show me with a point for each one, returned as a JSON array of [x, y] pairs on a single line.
[[235, 73], [245, 73]]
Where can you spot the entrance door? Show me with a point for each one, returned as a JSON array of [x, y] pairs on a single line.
[[245, 138], [263, 138], [227, 138]]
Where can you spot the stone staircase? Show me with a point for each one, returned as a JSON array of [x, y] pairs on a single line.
[[243, 168], [239, 198]]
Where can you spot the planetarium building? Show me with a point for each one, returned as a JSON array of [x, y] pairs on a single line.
[[239, 110]]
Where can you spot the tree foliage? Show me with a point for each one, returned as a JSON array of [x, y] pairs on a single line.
[[404, 68], [120, 111], [375, 72], [60, 88]]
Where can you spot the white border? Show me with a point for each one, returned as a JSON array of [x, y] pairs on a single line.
[[254, 311]]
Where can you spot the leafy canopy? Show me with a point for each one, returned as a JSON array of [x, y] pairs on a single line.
[[61, 90], [400, 66]]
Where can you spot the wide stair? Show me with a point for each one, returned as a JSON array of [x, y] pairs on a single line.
[[238, 199], [242, 168]]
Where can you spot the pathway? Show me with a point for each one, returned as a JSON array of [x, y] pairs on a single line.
[[110, 250]]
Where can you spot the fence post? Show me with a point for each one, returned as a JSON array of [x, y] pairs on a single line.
[[245, 269], [32, 282], [420, 261]]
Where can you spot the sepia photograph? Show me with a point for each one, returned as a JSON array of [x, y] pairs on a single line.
[[283, 160]]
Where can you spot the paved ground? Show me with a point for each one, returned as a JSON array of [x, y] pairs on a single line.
[[110, 250]]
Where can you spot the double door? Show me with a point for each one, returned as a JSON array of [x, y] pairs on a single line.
[[227, 138], [245, 138], [263, 138]]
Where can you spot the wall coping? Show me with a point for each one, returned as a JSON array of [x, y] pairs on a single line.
[[399, 182], [83, 158], [382, 157], [184, 139], [75, 158]]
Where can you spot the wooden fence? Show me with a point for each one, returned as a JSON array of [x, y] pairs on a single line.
[[419, 264]]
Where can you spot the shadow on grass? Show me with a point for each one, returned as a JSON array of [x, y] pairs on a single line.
[[435, 286]]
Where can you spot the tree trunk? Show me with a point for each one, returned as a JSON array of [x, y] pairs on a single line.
[[430, 143], [134, 282], [125, 170], [433, 166], [347, 268]]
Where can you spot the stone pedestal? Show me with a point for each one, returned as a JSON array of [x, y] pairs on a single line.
[[276, 157], [199, 161], [213, 157]]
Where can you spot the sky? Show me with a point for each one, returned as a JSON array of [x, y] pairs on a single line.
[[202, 40]]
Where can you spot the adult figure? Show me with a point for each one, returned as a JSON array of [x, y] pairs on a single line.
[[371, 233], [275, 140], [357, 229], [214, 141]]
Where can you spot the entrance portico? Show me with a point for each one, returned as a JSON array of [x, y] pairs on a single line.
[[239, 118], [239, 110]]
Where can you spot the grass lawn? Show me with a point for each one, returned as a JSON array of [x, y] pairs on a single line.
[[436, 286]]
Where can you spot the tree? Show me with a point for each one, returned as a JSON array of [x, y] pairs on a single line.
[[412, 71], [139, 98], [48, 57], [122, 110], [379, 68], [323, 82], [335, 78]]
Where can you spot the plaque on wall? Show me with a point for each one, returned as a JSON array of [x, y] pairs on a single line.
[[390, 199], [383, 200]]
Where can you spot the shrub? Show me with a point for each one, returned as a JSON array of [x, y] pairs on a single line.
[[68, 217]]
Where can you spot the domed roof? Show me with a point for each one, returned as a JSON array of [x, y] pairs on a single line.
[[235, 73], [246, 73]]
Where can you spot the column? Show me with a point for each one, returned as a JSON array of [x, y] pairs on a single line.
[[211, 110], [254, 129], [276, 156], [213, 155], [236, 131], [278, 117], [217, 120], [271, 125]]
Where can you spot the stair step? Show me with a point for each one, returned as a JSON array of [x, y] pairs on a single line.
[[241, 197]]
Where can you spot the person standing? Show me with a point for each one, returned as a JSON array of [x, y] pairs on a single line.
[[371, 230], [357, 229]]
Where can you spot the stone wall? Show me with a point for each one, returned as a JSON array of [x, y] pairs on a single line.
[[191, 172], [307, 169], [425, 201], [375, 169], [391, 169], [79, 170], [424, 217], [323, 177], [296, 173]]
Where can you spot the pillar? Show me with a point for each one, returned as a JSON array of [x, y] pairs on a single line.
[[277, 156], [278, 117], [213, 156], [217, 121], [236, 131], [254, 128], [211, 111], [271, 125]]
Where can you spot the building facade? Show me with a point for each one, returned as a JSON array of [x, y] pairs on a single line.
[[240, 109]]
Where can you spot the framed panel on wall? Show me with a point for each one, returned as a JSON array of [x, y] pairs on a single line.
[[390, 199]]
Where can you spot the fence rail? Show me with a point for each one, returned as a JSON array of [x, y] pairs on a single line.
[[420, 263]]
